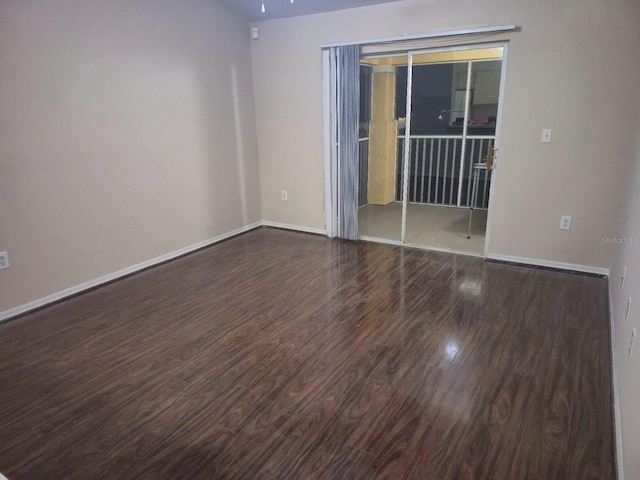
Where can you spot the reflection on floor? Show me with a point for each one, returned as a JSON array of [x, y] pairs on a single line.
[[427, 226]]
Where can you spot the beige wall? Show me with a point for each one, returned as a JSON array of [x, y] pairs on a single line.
[[127, 131], [627, 254], [568, 70]]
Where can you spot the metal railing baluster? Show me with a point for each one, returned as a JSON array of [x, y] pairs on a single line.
[[438, 169], [415, 171], [424, 157], [430, 170], [444, 174], [453, 170], [470, 172]]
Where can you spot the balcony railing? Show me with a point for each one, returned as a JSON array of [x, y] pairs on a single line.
[[434, 170]]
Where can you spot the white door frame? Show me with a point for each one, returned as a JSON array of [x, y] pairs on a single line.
[[329, 102], [495, 177], [407, 144]]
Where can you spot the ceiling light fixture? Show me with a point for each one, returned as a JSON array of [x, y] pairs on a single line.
[[263, 10]]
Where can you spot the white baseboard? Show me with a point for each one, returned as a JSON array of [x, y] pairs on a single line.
[[41, 302], [550, 264], [319, 231], [616, 393]]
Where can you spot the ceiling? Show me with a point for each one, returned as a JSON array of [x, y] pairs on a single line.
[[250, 9]]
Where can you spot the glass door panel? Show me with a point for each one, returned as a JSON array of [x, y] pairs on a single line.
[[380, 212], [435, 146], [481, 132]]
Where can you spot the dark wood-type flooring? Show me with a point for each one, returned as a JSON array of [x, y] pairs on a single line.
[[280, 355]]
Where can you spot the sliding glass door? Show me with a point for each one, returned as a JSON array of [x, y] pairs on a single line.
[[433, 117]]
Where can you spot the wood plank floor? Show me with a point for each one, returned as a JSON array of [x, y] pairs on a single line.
[[279, 355]]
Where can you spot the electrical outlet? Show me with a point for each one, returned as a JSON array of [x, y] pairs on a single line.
[[284, 195], [4, 260], [624, 274], [626, 315], [632, 341], [565, 222]]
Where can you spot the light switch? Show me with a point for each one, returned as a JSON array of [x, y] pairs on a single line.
[[546, 135]]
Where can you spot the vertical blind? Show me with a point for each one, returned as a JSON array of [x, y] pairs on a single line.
[[348, 106]]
